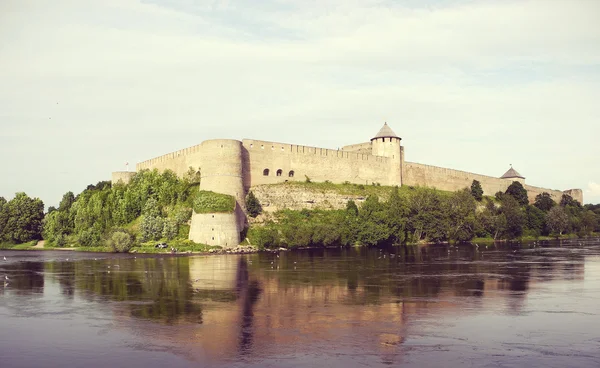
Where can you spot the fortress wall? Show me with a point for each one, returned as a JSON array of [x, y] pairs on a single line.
[[447, 179], [221, 229], [122, 176], [365, 148], [453, 180], [178, 161], [576, 194], [534, 191], [319, 164]]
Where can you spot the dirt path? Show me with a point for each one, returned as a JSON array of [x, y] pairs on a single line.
[[39, 244]]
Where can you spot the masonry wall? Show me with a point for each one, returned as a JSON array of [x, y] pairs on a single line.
[[364, 148], [178, 161], [453, 180], [319, 164], [221, 229], [122, 176]]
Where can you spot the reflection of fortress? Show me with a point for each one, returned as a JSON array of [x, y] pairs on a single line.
[[272, 316], [230, 306], [232, 167]]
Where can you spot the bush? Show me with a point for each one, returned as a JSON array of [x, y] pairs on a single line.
[[169, 229], [60, 240], [264, 237], [253, 205], [210, 202], [90, 237], [151, 228], [476, 190], [120, 241]]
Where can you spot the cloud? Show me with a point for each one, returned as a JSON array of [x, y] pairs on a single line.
[[592, 193], [468, 85]]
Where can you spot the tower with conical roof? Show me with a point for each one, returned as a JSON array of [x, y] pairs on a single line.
[[387, 144], [513, 175]]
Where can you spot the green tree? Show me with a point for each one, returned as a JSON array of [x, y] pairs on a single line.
[[476, 190], [518, 192], [461, 215], [536, 220], [567, 200], [3, 216], [589, 222], [151, 228], [557, 220], [397, 216], [120, 240], [351, 208], [428, 218], [544, 201], [372, 217], [25, 216], [67, 201], [515, 219], [253, 205]]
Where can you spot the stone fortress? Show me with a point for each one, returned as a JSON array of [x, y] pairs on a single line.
[[233, 167]]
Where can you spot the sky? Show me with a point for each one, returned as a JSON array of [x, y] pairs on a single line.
[[86, 86]]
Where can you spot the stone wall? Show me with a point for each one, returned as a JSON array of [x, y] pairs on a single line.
[[452, 180], [295, 163], [178, 161], [122, 176], [364, 148], [277, 197], [221, 229], [232, 167]]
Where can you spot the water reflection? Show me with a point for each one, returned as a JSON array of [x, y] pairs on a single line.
[[349, 303]]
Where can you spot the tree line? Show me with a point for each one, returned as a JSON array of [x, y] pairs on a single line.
[[158, 205], [413, 215]]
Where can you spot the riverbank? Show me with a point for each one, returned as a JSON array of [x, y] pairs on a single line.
[[202, 249], [196, 249]]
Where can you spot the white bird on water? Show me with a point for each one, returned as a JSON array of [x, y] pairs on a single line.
[[5, 258], [6, 278]]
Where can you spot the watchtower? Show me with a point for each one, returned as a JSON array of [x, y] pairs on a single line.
[[387, 144]]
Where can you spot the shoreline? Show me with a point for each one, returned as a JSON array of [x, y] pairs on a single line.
[[247, 249]]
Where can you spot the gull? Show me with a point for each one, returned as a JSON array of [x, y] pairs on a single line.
[[6, 277], [5, 258]]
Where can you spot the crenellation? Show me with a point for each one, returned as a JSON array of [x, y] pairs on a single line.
[[232, 167]]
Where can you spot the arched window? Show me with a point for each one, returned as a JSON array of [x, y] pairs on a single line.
[[266, 172], [279, 172], [291, 175]]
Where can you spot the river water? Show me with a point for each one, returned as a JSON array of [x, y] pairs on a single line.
[[509, 305]]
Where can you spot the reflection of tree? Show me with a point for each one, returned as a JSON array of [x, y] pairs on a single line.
[[372, 276], [248, 293], [26, 277], [154, 288], [63, 269]]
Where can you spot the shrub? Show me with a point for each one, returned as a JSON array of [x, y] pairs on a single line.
[[253, 205], [151, 228], [210, 202], [476, 190], [169, 229], [90, 237], [120, 241], [60, 240]]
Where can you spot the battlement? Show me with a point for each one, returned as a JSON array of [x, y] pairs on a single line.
[[231, 167], [286, 148], [149, 164]]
